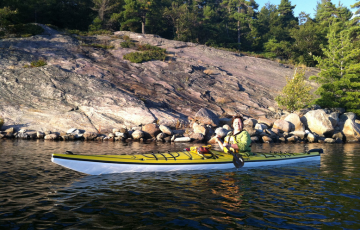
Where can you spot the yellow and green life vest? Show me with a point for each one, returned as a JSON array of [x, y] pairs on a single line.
[[242, 139]]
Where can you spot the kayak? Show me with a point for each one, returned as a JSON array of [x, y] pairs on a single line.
[[175, 161]]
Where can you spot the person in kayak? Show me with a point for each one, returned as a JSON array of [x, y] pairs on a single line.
[[238, 140]]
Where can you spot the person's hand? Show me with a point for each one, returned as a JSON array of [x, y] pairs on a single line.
[[218, 139]]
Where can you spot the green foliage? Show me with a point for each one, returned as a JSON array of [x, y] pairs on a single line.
[[96, 25], [226, 24], [149, 47], [340, 68], [127, 44], [25, 30], [38, 63], [1, 122], [150, 53], [103, 46], [5, 17], [53, 27], [296, 93], [89, 33]]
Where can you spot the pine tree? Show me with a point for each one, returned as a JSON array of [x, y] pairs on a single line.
[[243, 12], [357, 12], [340, 69], [136, 11]]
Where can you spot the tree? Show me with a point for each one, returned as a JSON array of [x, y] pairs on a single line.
[[243, 12], [340, 69], [357, 12], [307, 40], [5, 15], [296, 93], [184, 21], [103, 8], [136, 11]]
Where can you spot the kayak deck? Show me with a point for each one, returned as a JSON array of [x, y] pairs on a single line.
[[173, 161]]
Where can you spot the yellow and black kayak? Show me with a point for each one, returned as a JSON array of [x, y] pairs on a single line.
[[175, 161]]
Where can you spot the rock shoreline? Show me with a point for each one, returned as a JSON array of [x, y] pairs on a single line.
[[318, 125]]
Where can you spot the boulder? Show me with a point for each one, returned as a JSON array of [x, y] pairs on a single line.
[[295, 122], [182, 139], [90, 135], [199, 129], [319, 123], [329, 140], [351, 131], [348, 115], [250, 122], [301, 112], [22, 135], [40, 135], [266, 139], [227, 127], [338, 135], [165, 130], [254, 139], [300, 134], [252, 132], [260, 127], [209, 133], [276, 131], [292, 139], [160, 136], [9, 130], [207, 117], [266, 121], [282, 139], [271, 134], [221, 132], [151, 129], [32, 134], [198, 137], [52, 136], [282, 125], [120, 134], [334, 118], [137, 134]]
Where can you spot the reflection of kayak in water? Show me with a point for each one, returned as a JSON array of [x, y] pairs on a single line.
[[174, 161]]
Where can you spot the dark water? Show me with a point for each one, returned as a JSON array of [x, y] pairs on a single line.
[[37, 194]]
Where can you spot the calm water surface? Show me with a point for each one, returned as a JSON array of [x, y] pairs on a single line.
[[37, 194]]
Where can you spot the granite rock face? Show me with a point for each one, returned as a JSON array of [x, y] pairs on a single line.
[[95, 89]]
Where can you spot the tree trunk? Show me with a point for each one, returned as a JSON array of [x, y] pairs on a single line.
[[238, 29], [143, 25]]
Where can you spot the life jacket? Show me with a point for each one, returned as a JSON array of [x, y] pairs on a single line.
[[231, 139]]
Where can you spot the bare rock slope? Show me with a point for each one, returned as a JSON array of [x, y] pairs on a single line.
[[95, 89]]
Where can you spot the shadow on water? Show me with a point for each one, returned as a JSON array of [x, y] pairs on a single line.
[[35, 193]]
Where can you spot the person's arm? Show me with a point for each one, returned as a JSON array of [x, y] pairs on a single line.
[[243, 141], [226, 145]]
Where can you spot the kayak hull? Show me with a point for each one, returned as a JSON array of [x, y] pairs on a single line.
[[103, 164]]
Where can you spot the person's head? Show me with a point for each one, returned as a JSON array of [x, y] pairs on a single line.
[[237, 122]]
